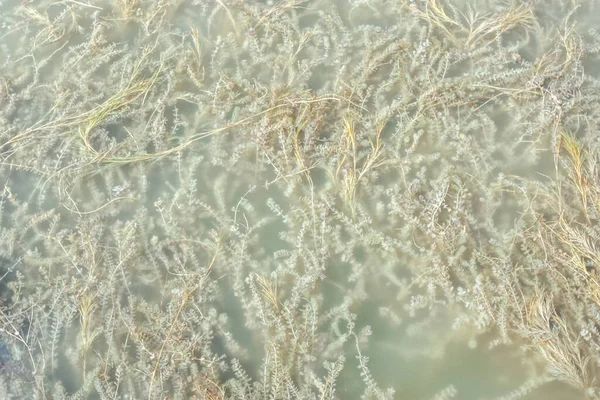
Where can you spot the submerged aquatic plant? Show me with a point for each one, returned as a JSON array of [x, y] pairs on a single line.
[[236, 199]]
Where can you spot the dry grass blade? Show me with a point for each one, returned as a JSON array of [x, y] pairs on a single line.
[[477, 28], [350, 172], [578, 160], [278, 8], [50, 32], [230, 16], [135, 89], [553, 340], [107, 159], [486, 26], [581, 246], [202, 279], [436, 16], [268, 290], [374, 158], [349, 164], [87, 307], [197, 46], [112, 105]]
